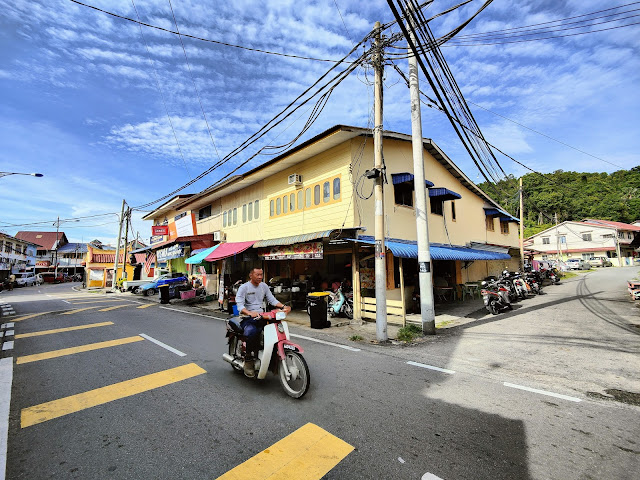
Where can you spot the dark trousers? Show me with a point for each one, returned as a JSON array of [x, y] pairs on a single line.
[[252, 332]]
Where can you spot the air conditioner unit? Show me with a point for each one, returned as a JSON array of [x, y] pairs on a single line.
[[295, 179], [217, 235]]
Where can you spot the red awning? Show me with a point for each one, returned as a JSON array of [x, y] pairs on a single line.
[[225, 250]]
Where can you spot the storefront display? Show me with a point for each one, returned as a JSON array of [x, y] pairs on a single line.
[[297, 251]]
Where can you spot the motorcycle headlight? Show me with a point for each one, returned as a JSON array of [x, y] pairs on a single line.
[[281, 328]]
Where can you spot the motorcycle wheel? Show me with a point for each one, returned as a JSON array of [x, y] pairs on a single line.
[[493, 308], [348, 310], [509, 306], [300, 379], [233, 346]]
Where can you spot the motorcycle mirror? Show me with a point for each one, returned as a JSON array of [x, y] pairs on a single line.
[[483, 283]]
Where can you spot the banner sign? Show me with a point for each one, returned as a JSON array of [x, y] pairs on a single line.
[[156, 239], [297, 251], [160, 230], [174, 251], [185, 226], [43, 263]]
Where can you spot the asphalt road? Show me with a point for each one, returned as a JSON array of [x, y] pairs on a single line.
[[118, 405]]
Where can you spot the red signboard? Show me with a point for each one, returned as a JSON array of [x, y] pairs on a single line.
[[160, 230]]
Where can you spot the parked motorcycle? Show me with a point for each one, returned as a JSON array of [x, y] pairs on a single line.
[[341, 303], [496, 297], [533, 279], [277, 353]]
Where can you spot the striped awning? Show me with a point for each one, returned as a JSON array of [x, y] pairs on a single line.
[[305, 237], [444, 194], [438, 251], [397, 178]]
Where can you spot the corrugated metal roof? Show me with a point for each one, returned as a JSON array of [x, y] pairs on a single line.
[[305, 237], [406, 177], [409, 249], [500, 213], [73, 247]]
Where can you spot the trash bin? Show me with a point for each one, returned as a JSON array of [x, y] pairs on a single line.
[[317, 309], [164, 294]]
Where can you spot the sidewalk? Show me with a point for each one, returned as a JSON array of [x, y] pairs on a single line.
[[448, 315]]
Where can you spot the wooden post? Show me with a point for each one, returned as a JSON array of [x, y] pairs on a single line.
[[404, 308]]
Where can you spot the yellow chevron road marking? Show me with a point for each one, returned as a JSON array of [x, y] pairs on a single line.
[[309, 452], [59, 330], [70, 312], [75, 403], [117, 306], [36, 357], [96, 301], [26, 317], [146, 306]]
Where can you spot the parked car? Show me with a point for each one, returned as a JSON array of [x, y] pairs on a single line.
[[39, 279], [25, 279], [50, 277], [166, 279], [577, 264], [600, 262]]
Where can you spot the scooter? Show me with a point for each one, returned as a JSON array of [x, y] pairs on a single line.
[[277, 353], [496, 297], [340, 303]]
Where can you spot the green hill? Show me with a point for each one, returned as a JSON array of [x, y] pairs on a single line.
[[570, 196]]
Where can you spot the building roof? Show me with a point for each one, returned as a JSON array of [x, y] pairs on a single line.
[[73, 247], [167, 206], [46, 240], [322, 142], [4, 235], [609, 223]]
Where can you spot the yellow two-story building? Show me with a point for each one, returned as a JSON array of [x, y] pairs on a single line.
[[307, 218]]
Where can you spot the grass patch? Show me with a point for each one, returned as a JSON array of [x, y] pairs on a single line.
[[444, 323], [355, 338], [408, 333], [569, 275]]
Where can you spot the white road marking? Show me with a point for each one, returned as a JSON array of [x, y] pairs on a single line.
[[430, 476], [400, 459], [6, 378], [7, 345], [431, 367], [163, 345], [66, 302], [542, 392], [193, 313], [346, 347]]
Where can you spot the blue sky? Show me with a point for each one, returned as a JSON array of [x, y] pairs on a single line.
[[85, 96]]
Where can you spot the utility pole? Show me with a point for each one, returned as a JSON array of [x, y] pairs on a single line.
[[55, 274], [558, 253], [422, 225], [126, 240], [115, 262], [521, 230], [380, 258]]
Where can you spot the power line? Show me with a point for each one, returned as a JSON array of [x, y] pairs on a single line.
[[218, 42]]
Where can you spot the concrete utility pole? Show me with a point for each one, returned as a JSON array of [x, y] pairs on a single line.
[[380, 258], [115, 262], [55, 274], [424, 255], [521, 230], [126, 240]]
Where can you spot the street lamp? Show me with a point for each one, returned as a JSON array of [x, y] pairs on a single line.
[[4, 174]]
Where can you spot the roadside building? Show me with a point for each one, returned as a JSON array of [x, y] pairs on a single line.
[[588, 238], [307, 218], [48, 243], [16, 256], [100, 262]]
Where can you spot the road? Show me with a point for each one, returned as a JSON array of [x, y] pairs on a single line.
[[92, 398]]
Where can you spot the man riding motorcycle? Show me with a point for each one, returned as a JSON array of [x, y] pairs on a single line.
[[249, 302]]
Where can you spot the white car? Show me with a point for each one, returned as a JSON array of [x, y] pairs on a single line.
[[578, 264], [25, 279]]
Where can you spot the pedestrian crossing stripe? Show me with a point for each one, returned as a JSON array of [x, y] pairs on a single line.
[[36, 357], [113, 308], [70, 312], [310, 453], [60, 330], [75, 403]]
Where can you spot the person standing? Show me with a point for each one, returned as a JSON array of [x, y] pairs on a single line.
[[249, 301]]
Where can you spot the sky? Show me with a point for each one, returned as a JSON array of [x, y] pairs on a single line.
[[109, 110]]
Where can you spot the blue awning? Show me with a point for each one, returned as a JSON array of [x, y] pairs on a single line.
[[397, 178], [409, 249], [444, 194], [496, 212], [199, 255]]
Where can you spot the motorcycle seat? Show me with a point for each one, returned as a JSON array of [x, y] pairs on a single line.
[[234, 325]]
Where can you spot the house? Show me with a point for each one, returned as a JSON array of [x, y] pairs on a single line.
[[48, 243], [100, 261], [16, 255], [307, 217], [588, 238]]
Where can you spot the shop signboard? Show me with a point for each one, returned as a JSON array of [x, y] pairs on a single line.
[[174, 251], [160, 230], [297, 251], [155, 239], [43, 263], [185, 225]]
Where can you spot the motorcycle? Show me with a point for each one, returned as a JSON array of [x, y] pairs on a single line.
[[277, 353], [339, 303], [533, 279], [495, 297]]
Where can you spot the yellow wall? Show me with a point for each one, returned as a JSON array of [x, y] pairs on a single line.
[[247, 230], [400, 220], [210, 224]]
